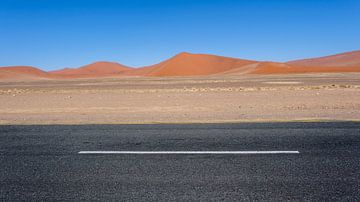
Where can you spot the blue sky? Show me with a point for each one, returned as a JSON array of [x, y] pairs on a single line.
[[52, 34]]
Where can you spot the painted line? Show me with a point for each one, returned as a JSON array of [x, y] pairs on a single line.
[[282, 82], [189, 152]]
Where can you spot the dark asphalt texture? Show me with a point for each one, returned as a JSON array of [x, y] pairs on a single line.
[[41, 163]]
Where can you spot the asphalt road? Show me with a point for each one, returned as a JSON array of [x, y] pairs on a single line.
[[42, 163]]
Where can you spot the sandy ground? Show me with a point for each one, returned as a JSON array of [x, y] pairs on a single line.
[[181, 100]]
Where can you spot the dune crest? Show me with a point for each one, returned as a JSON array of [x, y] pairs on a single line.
[[187, 64], [286, 68], [96, 69], [348, 59], [22, 72], [344, 62]]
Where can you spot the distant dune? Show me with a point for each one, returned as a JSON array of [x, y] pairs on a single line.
[[22, 73], [348, 59], [187, 64], [283, 68], [344, 62], [97, 69], [138, 72]]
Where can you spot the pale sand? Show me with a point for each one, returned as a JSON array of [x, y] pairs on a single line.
[[182, 100]]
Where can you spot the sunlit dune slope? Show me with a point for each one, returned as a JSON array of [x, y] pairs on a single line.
[[286, 68], [22, 72], [348, 59], [186, 64], [97, 69]]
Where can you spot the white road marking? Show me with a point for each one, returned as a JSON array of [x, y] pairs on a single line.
[[189, 152], [283, 82]]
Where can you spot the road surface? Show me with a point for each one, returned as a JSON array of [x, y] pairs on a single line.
[[46, 163]]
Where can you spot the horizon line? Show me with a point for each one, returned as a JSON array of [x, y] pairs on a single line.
[[183, 52]]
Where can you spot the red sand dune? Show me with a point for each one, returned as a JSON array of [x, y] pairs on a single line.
[[97, 69], [348, 59], [283, 68], [138, 72], [186, 64], [22, 72], [344, 62]]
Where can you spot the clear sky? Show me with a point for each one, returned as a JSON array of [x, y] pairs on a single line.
[[52, 34]]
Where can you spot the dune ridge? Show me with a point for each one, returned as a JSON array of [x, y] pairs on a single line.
[[347, 59], [343, 62], [22, 72], [285, 68], [188, 64], [93, 70]]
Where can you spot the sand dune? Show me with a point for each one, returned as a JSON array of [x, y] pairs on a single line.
[[187, 64], [344, 62], [97, 69], [348, 59], [286, 68], [138, 72], [22, 72]]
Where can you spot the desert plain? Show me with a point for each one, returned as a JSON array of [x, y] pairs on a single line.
[[216, 98]]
